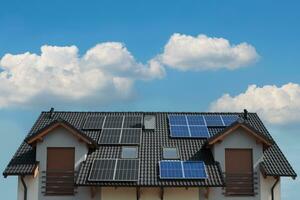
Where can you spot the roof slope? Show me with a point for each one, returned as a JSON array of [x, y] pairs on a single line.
[[274, 162]]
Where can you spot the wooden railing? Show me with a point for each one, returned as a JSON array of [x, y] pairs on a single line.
[[57, 182], [240, 184]]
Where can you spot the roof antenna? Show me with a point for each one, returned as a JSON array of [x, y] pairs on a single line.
[[51, 113], [245, 114]]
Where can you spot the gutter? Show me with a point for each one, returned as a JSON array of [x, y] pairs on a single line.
[[273, 187], [25, 187]]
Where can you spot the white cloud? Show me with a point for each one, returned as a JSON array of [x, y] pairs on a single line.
[[105, 72], [185, 52], [276, 105]]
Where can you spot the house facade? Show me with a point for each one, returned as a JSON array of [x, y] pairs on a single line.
[[148, 156]]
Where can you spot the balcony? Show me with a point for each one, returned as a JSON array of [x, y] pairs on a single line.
[[240, 184], [57, 182]]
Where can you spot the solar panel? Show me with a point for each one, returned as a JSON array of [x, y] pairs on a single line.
[[213, 120], [179, 131], [110, 136], [196, 120], [182, 170], [102, 170], [229, 119], [194, 169], [132, 122], [177, 120], [131, 136], [170, 169], [127, 170], [199, 131], [94, 122], [113, 122]]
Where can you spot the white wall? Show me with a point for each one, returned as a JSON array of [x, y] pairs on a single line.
[[238, 139], [32, 188], [60, 137], [266, 185]]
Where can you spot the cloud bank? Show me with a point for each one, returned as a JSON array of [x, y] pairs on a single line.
[[107, 71], [184, 52], [276, 105]]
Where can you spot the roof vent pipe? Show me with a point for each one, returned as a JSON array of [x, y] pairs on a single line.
[[51, 113], [245, 114]]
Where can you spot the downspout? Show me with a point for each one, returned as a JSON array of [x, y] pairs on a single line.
[[272, 189], [25, 187]]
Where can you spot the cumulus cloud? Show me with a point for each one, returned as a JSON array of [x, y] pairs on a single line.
[[105, 72], [185, 52], [276, 105]]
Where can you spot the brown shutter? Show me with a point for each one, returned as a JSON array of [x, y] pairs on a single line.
[[239, 172], [60, 171]]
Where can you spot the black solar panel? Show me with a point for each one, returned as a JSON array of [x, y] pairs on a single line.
[[110, 136], [102, 170], [113, 122], [131, 136], [127, 170], [93, 122], [132, 122], [114, 170]]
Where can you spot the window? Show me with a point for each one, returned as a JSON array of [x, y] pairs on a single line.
[[170, 153], [129, 152], [149, 122]]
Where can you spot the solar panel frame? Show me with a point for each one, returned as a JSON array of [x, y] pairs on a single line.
[[229, 119], [183, 175], [114, 121], [179, 172], [179, 131], [214, 121], [109, 171], [133, 121], [177, 120], [199, 131], [110, 136], [136, 135], [189, 173], [195, 120], [121, 172], [93, 124]]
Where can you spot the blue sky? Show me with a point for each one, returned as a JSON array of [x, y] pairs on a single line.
[[144, 31]]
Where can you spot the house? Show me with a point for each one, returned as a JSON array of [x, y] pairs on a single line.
[[148, 156]]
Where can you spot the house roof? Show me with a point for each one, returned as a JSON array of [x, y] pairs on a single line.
[[241, 123], [31, 139], [273, 164]]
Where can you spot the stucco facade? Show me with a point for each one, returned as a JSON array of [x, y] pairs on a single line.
[[61, 138]]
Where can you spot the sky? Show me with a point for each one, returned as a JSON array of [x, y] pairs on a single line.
[[150, 56]]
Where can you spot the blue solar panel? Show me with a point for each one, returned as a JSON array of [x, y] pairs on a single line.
[[182, 170], [229, 119], [199, 131], [194, 169], [179, 131], [196, 120], [177, 120], [170, 170], [213, 120]]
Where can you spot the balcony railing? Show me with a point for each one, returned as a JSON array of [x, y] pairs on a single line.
[[57, 182], [240, 184]]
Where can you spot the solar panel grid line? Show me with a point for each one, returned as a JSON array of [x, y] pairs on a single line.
[[115, 169], [187, 122], [121, 129], [104, 121], [183, 174], [222, 120]]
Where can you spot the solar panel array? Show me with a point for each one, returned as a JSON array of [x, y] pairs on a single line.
[[182, 170], [114, 170], [196, 126], [121, 130]]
